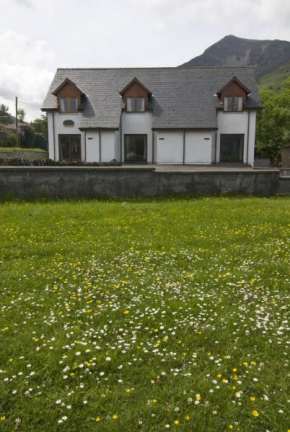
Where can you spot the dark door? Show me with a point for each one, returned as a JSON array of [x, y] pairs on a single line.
[[136, 148], [232, 148], [70, 147]]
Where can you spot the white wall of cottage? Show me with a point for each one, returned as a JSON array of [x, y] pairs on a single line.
[[189, 147], [137, 123], [167, 147], [55, 124], [238, 123]]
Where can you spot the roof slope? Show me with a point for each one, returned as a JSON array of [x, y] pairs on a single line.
[[181, 98]]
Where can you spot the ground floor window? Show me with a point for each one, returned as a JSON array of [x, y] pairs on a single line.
[[136, 148], [231, 148], [69, 147]]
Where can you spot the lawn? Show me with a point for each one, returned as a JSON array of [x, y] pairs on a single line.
[[145, 315]]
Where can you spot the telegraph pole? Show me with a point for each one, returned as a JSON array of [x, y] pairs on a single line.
[[16, 118]]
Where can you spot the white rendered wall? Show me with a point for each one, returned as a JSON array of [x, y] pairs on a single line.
[[50, 135], [92, 146], [117, 146], [137, 124], [60, 129], [252, 136], [107, 146], [169, 147], [198, 147], [237, 123]]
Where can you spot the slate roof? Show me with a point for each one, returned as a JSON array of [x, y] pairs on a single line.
[[181, 97]]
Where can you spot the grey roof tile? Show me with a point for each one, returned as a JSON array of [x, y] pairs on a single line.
[[181, 97]]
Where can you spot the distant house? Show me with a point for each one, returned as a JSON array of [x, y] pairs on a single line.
[[153, 115]]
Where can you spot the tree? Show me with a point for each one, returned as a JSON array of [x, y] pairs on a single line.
[[273, 122], [4, 115], [21, 115], [40, 125]]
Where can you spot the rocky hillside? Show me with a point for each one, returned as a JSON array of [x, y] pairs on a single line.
[[269, 57]]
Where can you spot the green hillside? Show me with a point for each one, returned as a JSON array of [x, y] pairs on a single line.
[[274, 80]]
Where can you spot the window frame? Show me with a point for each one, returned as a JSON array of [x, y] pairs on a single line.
[[232, 104], [68, 105], [145, 137], [70, 137], [135, 104], [232, 136]]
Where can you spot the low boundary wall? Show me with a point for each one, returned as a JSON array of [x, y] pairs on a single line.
[[75, 182]]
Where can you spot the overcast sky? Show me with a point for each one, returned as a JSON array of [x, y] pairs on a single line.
[[37, 36]]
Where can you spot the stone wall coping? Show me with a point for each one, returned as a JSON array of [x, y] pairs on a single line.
[[172, 170]]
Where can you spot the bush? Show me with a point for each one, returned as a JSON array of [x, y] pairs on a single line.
[[27, 140], [50, 162], [7, 137], [40, 141], [11, 140]]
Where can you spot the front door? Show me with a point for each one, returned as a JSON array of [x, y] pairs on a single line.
[[136, 148], [232, 148], [69, 147]]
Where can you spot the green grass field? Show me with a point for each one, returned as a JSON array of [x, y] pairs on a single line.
[[145, 315]]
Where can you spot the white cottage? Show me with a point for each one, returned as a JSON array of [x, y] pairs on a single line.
[[153, 115]]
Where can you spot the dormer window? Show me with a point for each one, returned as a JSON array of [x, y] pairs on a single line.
[[135, 104], [233, 95], [68, 105], [135, 96], [69, 97], [233, 103]]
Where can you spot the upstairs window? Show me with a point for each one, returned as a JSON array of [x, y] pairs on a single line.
[[135, 104], [68, 105], [233, 103]]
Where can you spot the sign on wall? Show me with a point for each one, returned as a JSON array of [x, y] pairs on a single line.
[[68, 123]]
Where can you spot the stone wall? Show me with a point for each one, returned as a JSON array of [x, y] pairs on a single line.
[[24, 154], [108, 182]]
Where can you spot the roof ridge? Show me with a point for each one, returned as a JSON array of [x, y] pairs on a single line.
[[159, 67]]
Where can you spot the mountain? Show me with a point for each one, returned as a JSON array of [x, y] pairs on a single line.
[[271, 58]]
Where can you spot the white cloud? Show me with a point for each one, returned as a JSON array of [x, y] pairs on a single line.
[[27, 3], [25, 71]]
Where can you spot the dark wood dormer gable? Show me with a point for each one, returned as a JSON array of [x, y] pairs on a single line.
[[233, 95], [70, 97], [135, 96]]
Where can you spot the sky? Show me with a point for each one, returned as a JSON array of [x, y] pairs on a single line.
[[37, 36]]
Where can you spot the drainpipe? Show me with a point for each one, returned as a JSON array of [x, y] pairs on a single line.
[[183, 147], [100, 146], [53, 128], [248, 139]]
